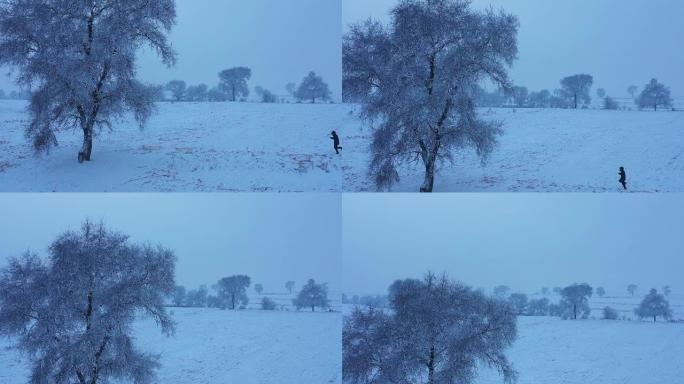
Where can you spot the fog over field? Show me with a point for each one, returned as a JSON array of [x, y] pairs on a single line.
[[525, 241]]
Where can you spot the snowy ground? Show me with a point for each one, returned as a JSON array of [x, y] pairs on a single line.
[[247, 347], [550, 350], [185, 147], [548, 150]]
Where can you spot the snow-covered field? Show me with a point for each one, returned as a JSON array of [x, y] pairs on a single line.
[[548, 150], [551, 350], [247, 347], [187, 147]]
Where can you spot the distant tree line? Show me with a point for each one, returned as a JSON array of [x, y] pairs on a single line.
[[231, 293], [233, 86], [574, 93], [574, 302]]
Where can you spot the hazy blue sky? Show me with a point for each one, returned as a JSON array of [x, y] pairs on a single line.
[[525, 241], [272, 238], [280, 40], [618, 42]]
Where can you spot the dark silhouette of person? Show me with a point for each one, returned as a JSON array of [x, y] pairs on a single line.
[[336, 141], [623, 177]]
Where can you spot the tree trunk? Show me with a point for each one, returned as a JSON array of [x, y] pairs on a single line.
[[654, 318], [233, 93], [429, 181], [431, 366], [574, 312], [575, 101], [232, 301], [312, 308], [87, 148]]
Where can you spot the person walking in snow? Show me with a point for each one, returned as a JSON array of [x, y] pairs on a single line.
[[336, 141], [623, 177]]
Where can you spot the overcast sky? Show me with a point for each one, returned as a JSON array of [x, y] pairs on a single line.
[[618, 42], [526, 241], [281, 41], [272, 238]]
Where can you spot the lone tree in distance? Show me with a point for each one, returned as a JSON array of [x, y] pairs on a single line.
[[654, 305], [654, 95], [416, 78], [666, 290], [179, 296], [518, 302], [575, 299], [290, 286], [79, 57], [258, 288], [312, 295], [632, 90], [313, 87], [576, 88], [436, 331], [501, 291], [233, 290], [233, 81], [177, 89], [632, 289], [73, 313], [600, 291]]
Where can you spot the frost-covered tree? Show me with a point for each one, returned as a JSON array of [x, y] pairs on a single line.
[[501, 291], [654, 95], [313, 87], [290, 286], [258, 288], [609, 313], [610, 104], [177, 89], [654, 305], [78, 57], [217, 95], [436, 331], [557, 290], [520, 96], [538, 307], [518, 302], [197, 93], [575, 300], [312, 295], [232, 290], [541, 99], [666, 290], [178, 296], [632, 288], [545, 291], [601, 93], [417, 80], [268, 304], [291, 89], [559, 100], [632, 90], [233, 82], [72, 313], [600, 291], [197, 297], [576, 88]]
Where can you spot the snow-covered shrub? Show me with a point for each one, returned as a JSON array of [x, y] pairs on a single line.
[[268, 304], [610, 313]]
